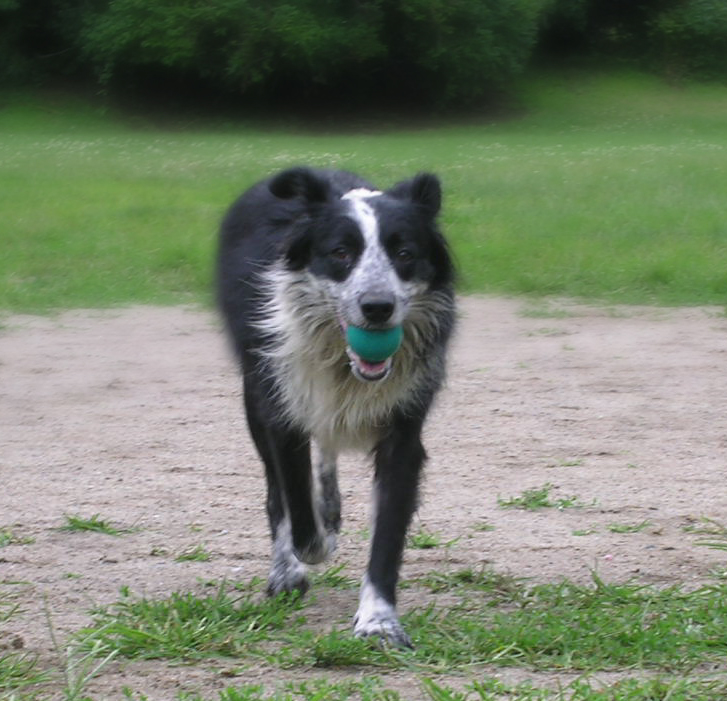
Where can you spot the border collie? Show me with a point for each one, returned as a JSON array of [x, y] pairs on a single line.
[[302, 256]]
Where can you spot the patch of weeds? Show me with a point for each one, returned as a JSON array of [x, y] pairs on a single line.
[[585, 531], [333, 578], [489, 619], [185, 626], [94, 523], [197, 554], [628, 527], [713, 528], [483, 527], [8, 537], [539, 498], [567, 626], [341, 649], [498, 587], [80, 663], [18, 669], [575, 462], [584, 690], [424, 539], [367, 689]]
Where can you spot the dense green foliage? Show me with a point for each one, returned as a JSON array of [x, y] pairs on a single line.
[[441, 52]]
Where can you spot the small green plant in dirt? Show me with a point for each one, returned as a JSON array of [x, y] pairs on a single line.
[[716, 531], [197, 554], [483, 527], [9, 537], [540, 498], [423, 539], [333, 578], [628, 527], [94, 523], [585, 531], [19, 670]]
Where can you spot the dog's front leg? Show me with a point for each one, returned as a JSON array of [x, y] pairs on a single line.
[[310, 541], [398, 460]]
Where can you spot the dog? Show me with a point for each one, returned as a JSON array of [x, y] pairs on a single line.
[[302, 256]]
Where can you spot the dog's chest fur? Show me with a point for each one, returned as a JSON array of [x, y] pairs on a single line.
[[314, 384]]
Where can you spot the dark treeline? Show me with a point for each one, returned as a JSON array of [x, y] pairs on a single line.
[[441, 52]]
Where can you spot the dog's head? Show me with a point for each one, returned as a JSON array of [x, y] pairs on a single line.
[[374, 252]]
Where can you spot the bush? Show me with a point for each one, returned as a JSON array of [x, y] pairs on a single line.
[[452, 51], [690, 39]]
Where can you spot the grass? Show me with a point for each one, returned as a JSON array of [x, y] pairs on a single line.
[[628, 527], [606, 187], [493, 620], [95, 524], [471, 622], [9, 537], [716, 532], [197, 554], [19, 670], [539, 498]]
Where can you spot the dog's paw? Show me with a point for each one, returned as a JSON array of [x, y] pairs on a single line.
[[287, 576], [385, 629], [376, 618], [318, 549]]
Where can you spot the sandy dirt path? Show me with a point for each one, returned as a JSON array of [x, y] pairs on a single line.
[[134, 415]]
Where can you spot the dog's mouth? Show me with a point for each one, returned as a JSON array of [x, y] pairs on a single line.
[[365, 370]]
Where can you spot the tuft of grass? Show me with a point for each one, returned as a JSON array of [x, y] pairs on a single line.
[[716, 531], [19, 670], [628, 527], [333, 578], [9, 537], [423, 539], [539, 498], [93, 523], [197, 554]]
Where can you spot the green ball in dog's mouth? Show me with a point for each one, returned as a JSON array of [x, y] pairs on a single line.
[[374, 345]]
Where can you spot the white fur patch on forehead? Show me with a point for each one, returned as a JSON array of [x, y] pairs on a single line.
[[363, 214], [361, 193]]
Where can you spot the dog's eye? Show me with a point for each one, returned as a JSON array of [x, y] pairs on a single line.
[[341, 254], [404, 255]]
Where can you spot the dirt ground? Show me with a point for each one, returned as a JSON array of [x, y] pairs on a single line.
[[134, 415]]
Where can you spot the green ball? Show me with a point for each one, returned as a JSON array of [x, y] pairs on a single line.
[[374, 345]]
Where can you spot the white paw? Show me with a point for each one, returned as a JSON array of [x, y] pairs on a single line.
[[376, 618], [287, 575], [386, 629]]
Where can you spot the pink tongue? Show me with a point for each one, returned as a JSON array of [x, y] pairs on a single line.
[[372, 367]]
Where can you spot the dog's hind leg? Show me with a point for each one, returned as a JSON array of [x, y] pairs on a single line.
[[398, 460]]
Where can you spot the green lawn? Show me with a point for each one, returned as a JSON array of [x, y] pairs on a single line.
[[605, 187]]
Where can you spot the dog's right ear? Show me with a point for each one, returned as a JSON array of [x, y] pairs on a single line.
[[299, 182]]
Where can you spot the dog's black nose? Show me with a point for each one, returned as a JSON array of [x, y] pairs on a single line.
[[377, 308]]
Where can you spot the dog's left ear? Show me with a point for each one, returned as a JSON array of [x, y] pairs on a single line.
[[300, 182], [307, 187], [423, 189]]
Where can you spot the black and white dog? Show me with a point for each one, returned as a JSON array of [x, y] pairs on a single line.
[[302, 256]]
